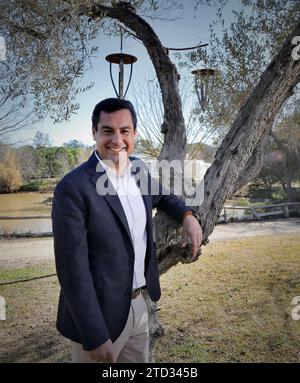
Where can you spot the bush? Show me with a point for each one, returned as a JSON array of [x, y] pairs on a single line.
[[30, 186], [10, 176], [46, 185]]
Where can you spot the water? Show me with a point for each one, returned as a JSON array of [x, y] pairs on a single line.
[[24, 212], [17, 212]]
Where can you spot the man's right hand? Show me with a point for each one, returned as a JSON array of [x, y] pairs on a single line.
[[103, 353]]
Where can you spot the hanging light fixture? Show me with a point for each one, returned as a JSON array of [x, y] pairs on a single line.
[[203, 81], [121, 59], [203, 77]]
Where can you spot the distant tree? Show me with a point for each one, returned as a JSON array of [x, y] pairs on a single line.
[[57, 161], [54, 162], [47, 162], [201, 151], [146, 147], [74, 144], [26, 156], [41, 140], [282, 159]]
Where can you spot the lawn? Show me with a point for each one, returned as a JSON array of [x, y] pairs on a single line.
[[233, 305]]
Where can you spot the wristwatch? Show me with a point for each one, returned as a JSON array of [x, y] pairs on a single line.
[[190, 212]]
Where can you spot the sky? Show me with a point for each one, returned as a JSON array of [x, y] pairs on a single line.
[[188, 30]]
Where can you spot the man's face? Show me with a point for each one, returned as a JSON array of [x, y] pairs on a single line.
[[115, 136]]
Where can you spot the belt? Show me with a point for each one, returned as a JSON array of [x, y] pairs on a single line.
[[135, 293]]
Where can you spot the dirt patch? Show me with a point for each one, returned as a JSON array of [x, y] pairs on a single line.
[[20, 253]]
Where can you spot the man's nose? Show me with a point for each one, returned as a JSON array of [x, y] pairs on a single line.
[[117, 138]]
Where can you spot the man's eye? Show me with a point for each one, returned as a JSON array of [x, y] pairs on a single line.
[[106, 131]]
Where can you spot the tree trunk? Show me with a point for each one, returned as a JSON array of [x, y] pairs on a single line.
[[289, 189]]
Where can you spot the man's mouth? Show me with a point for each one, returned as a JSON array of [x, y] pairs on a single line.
[[117, 150]]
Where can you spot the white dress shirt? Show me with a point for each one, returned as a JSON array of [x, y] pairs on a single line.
[[134, 209]]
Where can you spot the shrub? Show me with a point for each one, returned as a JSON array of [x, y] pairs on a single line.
[[30, 186], [10, 176]]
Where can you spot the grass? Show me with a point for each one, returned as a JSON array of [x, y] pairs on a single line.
[[42, 185], [29, 333], [6, 235], [245, 202], [7, 275], [232, 305]]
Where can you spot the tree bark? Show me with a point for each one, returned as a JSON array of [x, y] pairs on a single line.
[[289, 189]]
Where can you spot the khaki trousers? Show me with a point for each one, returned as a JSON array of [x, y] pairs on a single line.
[[132, 346]]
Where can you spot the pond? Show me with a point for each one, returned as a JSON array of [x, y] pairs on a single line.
[[25, 212], [31, 211]]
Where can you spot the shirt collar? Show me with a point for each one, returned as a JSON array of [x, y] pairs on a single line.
[[111, 172]]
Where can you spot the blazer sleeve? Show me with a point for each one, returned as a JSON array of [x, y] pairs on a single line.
[[69, 222], [168, 202]]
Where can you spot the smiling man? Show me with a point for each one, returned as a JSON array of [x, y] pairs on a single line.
[[104, 250], [115, 134]]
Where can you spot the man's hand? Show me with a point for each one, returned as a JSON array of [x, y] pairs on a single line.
[[103, 353], [192, 230]]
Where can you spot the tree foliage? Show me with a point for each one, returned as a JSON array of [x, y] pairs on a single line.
[[282, 159], [50, 44], [240, 52]]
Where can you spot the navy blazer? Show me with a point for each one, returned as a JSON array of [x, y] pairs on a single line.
[[94, 255]]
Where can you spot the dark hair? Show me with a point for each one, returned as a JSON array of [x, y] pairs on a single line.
[[110, 105]]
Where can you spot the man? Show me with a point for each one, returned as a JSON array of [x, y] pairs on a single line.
[[103, 243]]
